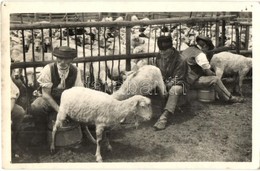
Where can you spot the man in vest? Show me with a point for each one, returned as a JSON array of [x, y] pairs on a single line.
[[173, 68], [200, 75], [54, 79]]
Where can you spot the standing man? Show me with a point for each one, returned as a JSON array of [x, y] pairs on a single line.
[[54, 79], [199, 73], [173, 68]]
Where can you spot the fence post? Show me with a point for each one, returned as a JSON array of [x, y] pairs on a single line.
[[21, 17], [223, 32], [35, 17], [217, 33], [237, 39], [50, 17], [128, 45], [247, 38], [83, 18]]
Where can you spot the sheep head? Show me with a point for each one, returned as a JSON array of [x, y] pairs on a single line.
[[143, 106], [110, 86]]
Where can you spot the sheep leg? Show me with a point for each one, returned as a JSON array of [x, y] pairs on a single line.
[[236, 84], [99, 133], [106, 138], [54, 130], [240, 88], [240, 83], [219, 74], [89, 135], [162, 89]]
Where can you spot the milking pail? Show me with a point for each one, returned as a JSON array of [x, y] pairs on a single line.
[[206, 95], [69, 134]]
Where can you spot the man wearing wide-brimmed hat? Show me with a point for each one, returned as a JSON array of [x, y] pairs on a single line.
[[54, 79], [200, 74]]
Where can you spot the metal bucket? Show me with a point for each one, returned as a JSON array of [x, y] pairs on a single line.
[[206, 95], [69, 134]]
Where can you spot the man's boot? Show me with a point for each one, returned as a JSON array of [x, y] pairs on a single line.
[[162, 121], [235, 99]]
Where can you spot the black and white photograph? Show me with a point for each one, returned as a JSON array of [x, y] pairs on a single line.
[[137, 85]]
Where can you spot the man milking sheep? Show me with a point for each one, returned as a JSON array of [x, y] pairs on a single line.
[[54, 79], [191, 68]]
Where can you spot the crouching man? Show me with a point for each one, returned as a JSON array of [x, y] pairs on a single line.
[[199, 74], [174, 69], [54, 79]]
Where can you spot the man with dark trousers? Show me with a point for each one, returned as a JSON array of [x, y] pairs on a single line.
[[54, 79], [189, 69]]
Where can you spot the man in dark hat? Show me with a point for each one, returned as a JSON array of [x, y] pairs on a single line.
[[199, 73], [54, 79], [173, 69]]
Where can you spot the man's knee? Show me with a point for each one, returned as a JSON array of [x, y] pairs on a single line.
[[39, 104], [176, 90], [215, 80], [39, 109], [18, 113], [36, 103]]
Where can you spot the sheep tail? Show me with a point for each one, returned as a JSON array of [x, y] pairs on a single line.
[[89, 135]]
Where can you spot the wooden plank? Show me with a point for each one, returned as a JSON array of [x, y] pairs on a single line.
[[110, 24], [241, 23], [242, 52], [85, 59]]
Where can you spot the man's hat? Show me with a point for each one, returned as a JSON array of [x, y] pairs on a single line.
[[164, 42], [207, 40], [64, 52]]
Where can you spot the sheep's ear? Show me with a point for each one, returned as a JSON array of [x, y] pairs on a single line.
[[142, 103], [146, 102], [135, 68]]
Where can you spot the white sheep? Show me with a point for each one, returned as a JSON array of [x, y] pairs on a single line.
[[141, 82], [227, 63], [32, 75], [120, 18], [107, 19], [134, 18], [108, 73], [90, 106]]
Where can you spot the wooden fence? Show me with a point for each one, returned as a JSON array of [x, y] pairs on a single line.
[[127, 25]]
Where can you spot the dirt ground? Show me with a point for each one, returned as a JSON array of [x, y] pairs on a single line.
[[209, 132]]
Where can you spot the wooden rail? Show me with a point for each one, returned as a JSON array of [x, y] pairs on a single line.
[[128, 24], [85, 59], [114, 24]]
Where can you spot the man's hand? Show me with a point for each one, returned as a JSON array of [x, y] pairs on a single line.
[[208, 72], [169, 84]]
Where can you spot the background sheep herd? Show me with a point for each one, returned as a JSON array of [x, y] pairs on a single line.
[[112, 76], [93, 41]]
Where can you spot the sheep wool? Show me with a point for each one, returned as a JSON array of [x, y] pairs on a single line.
[[141, 82], [227, 63], [96, 107]]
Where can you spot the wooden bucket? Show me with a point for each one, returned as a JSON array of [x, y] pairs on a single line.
[[69, 134], [206, 95]]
